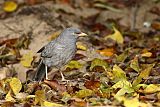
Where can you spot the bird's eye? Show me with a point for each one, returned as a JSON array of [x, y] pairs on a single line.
[[77, 32]]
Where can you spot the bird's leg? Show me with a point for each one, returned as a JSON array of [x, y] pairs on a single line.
[[46, 72], [62, 76]]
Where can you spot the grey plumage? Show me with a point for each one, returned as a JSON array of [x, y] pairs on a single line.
[[58, 52]]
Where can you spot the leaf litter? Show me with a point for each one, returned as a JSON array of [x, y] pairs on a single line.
[[123, 72]]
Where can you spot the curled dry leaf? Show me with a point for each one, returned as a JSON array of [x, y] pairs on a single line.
[[3, 73], [117, 36], [146, 54], [79, 104], [7, 104], [56, 86], [155, 25], [81, 46], [78, 56], [98, 62], [92, 84], [21, 96], [107, 52]]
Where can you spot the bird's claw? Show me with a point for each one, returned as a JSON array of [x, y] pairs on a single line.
[[65, 80]]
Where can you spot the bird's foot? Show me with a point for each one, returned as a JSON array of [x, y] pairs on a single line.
[[47, 77], [64, 80]]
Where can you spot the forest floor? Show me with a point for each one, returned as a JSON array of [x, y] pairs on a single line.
[[118, 64]]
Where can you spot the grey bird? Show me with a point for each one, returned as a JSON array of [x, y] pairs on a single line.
[[58, 52]]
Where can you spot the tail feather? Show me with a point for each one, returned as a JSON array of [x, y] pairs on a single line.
[[40, 72]]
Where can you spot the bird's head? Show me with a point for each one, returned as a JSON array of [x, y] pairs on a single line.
[[74, 32]]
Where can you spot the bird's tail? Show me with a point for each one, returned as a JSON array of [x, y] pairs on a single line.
[[40, 72]]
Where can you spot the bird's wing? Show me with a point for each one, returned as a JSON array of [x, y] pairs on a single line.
[[39, 51], [47, 51]]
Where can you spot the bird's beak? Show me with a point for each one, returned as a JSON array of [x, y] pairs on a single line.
[[82, 34]]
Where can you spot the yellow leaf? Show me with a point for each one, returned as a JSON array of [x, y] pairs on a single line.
[[146, 54], [140, 86], [27, 59], [39, 97], [117, 36], [15, 85], [158, 96], [50, 104], [152, 88], [98, 62], [134, 102], [31, 96], [122, 84], [134, 64], [125, 87], [84, 93], [81, 46], [118, 74], [9, 6], [9, 97], [107, 52], [74, 64], [131, 102]]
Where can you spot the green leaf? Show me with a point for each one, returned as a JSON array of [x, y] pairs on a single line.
[[84, 93], [98, 62], [74, 64], [134, 64], [122, 57], [66, 97], [143, 74], [118, 74], [125, 87]]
